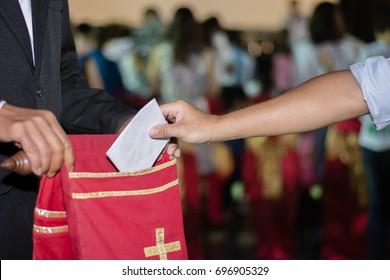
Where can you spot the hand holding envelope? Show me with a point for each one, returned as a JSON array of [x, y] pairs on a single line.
[[134, 149]]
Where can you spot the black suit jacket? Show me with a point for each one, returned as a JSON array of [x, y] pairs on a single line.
[[54, 83]]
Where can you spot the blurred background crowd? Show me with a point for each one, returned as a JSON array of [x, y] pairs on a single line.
[[323, 194]]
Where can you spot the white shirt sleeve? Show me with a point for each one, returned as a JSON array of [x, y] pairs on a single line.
[[373, 76], [2, 102]]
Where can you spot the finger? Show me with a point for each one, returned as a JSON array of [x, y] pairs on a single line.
[[57, 156], [166, 109], [177, 152], [48, 145], [30, 139], [171, 110], [160, 131], [174, 150], [171, 149], [67, 154], [51, 147]]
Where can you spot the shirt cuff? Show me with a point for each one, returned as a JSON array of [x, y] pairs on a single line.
[[2, 102], [372, 76]]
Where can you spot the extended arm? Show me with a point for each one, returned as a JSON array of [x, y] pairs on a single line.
[[321, 101]]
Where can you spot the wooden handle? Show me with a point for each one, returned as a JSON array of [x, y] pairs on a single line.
[[18, 163]]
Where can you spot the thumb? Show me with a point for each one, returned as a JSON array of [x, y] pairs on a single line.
[[69, 156], [159, 131], [69, 161]]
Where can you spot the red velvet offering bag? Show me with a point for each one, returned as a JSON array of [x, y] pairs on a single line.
[[110, 214], [50, 231]]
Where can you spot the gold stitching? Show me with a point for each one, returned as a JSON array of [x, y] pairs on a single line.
[[50, 214], [75, 175], [92, 195], [161, 249], [50, 230]]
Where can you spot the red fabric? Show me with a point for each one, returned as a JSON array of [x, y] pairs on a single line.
[[191, 179], [192, 220], [215, 106], [54, 246], [214, 199], [113, 217], [344, 218], [344, 221], [273, 218], [348, 126]]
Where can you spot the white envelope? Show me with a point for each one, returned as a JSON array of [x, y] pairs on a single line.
[[134, 150]]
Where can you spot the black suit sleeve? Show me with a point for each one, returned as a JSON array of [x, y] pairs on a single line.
[[85, 110]]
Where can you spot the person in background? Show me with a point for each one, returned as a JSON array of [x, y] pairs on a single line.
[[244, 64], [217, 38], [101, 72], [132, 64], [375, 147], [149, 34], [84, 38], [327, 49], [282, 63], [296, 23], [181, 67]]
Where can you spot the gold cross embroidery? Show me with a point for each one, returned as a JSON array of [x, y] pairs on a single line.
[[161, 249]]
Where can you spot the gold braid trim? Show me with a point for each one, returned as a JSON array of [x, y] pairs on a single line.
[[161, 249], [75, 175], [49, 214], [92, 195], [50, 230]]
